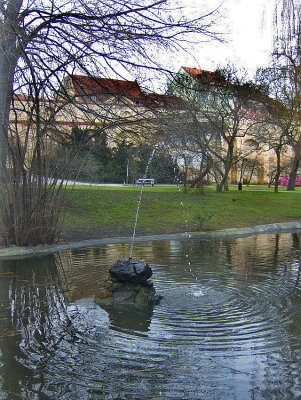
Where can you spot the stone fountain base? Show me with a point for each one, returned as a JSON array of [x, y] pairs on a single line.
[[128, 284]]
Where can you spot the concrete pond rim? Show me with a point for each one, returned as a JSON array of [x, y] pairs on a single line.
[[20, 252]]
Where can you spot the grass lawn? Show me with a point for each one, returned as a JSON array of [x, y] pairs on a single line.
[[97, 212]]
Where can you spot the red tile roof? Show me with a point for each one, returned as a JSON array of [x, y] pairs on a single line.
[[87, 85], [164, 100], [207, 77], [217, 79]]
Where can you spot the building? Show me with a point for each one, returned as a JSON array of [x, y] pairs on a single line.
[[237, 125], [232, 122], [118, 109]]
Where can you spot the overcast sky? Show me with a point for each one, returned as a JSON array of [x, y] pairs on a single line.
[[248, 28], [249, 25]]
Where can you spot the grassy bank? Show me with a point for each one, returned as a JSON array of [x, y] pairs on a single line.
[[97, 212]]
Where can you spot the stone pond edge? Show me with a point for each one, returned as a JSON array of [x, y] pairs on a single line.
[[15, 252]]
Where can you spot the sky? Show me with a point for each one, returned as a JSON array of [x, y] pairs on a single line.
[[250, 24], [249, 27]]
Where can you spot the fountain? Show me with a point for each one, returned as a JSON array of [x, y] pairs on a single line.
[[128, 284], [140, 200], [129, 278], [129, 296]]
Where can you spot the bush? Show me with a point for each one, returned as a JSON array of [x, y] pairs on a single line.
[[203, 219]]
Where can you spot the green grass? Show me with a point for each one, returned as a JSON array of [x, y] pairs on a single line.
[[94, 212]]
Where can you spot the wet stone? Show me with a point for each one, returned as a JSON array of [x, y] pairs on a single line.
[[128, 284], [130, 270]]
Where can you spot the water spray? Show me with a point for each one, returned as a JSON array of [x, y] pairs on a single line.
[[140, 198]]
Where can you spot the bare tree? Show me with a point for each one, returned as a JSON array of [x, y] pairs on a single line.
[[227, 109], [272, 135], [287, 55], [45, 38], [284, 119], [40, 44]]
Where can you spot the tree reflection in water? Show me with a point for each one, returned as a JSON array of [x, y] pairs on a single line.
[[36, 322], [42, 334]]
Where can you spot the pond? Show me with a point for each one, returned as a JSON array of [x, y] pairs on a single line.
[[228, 325]]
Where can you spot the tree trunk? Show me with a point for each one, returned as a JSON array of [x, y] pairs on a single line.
[[278, 169], [228, 164], [224, 182], [294, 168], [8, 60], [200, 178], [6, 86]]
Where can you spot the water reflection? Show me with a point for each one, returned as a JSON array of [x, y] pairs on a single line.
[[130, 317], [34, 311], [228, 325]]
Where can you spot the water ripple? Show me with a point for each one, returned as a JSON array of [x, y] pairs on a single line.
[[227, 327]]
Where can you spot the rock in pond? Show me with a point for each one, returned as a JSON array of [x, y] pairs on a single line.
[[129, 284], [130, 270]]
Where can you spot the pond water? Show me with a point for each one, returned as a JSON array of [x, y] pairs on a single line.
[[228, 326]]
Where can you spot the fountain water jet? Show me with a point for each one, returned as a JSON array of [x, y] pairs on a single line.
[[140, 201], [128, 282]]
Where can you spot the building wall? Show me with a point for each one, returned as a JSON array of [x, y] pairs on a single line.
[[119, 120], [259, 158], [132, 119]]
